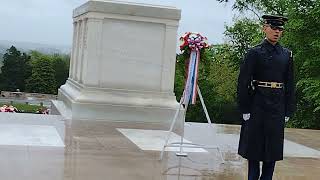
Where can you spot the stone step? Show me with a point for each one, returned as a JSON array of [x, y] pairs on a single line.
[[26, 118]]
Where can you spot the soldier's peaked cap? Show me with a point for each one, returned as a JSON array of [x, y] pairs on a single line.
[[274, 20]]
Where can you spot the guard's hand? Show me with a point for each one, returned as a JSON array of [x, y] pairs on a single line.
[[246, 116], [286, 119]]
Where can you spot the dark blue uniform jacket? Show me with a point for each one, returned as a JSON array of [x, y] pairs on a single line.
[[262, 135]]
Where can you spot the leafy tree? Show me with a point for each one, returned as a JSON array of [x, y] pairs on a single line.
[[217, 83], [1, 59], [27, 68], [42, 79], [244, 34], [15, 69], [303, 38], [61, 68]]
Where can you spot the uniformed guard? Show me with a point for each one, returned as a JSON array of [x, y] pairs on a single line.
[[266, 100]]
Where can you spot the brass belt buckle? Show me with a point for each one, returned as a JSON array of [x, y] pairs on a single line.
[[273, 85]]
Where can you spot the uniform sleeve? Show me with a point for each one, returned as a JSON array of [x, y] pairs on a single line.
[[244, 80], [290, 89]]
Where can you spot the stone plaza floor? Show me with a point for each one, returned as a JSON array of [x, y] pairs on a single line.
[[40, 147]]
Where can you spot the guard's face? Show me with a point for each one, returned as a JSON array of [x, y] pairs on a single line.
[[273, 33]]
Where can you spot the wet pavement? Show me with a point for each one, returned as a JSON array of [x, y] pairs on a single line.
[[101, 150]]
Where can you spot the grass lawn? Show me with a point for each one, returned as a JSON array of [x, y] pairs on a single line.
[[26, 108]]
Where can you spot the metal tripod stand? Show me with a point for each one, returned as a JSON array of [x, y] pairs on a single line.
[[182, 144]]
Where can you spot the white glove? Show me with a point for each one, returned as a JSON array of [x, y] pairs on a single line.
[[286, 119], [246, 116]]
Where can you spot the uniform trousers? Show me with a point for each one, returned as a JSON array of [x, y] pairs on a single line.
[[254, 170]]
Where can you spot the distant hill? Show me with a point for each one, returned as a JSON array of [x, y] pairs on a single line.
[[3, 49], [27, 46]]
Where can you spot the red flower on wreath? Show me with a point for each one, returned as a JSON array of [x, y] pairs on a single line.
[[193, 41]]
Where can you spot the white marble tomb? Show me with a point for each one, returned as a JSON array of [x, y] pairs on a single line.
[[122, 63]]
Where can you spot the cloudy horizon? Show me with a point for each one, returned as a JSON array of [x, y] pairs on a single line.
[[50, 22]]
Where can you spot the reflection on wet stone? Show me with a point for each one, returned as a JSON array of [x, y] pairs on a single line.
[[95, 150]]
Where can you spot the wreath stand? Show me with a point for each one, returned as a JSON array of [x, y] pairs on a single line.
[[195, 42], [182, 144]]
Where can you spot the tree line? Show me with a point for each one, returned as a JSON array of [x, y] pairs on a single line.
[[33, 72]]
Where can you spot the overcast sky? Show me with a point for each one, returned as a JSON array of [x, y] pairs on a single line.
[[50, 21]]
